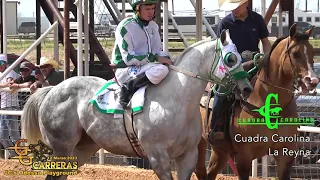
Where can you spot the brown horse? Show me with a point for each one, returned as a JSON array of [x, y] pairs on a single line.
[[289, 63]]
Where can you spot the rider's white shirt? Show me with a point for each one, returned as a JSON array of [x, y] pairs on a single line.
[[135, 43]]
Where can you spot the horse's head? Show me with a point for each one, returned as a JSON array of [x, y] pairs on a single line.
[[229, 68], [299, 60]]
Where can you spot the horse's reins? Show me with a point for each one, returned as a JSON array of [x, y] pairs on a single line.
[[191, 74], [287, 52], [267, 82]]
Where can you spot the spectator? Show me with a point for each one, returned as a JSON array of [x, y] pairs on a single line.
[[9, 125], [23, 81], [48, 76]]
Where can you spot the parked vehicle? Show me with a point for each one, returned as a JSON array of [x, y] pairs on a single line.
[[27, 28]]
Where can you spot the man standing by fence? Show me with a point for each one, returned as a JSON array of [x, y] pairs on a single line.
[[9, 125]]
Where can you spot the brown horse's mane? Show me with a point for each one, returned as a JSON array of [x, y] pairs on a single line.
[[266, 58]]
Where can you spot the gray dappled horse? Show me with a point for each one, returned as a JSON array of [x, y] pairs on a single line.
[[168, 128]]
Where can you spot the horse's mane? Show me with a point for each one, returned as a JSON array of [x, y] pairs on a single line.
[[266, 59], [178, 59]]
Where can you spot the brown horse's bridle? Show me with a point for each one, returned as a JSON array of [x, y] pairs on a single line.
[[248, 107], [293, 68]]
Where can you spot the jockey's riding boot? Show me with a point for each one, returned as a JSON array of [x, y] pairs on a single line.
[[214, 136], [131, 86], [218, 108]]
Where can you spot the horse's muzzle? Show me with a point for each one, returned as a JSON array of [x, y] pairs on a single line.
[[310, 82], [246, 92], [245, 88]]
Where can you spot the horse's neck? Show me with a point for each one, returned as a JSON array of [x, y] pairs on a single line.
[[277, 82], [187, 85]]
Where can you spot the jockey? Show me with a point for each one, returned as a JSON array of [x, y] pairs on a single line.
[[246, 28], [137, 50]]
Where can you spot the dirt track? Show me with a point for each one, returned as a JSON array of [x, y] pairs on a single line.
[[90, 172]]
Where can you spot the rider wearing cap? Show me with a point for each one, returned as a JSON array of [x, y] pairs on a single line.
[[137, 49], [246, 28]]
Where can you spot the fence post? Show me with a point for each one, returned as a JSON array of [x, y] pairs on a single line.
[[101, 156], [6, 154], [265, 166], [255, 168]]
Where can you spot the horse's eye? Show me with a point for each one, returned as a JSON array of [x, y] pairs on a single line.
[[296, 54], [230, 59]]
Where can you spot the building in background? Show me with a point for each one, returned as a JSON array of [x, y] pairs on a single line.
[[12, 13], [304, 21]]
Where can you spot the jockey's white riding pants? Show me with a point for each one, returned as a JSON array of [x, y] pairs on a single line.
[[155, 72]]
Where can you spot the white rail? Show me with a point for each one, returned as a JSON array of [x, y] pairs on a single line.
[[34, 45], [56, 37], [309, 129], [4, 29], [165, 26], [78, 3], [86, 38]]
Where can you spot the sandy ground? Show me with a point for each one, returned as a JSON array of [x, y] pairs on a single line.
[[90, 172]]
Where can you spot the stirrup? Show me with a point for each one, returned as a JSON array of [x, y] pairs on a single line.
[[124, 97], [124, 104], [213, 136]]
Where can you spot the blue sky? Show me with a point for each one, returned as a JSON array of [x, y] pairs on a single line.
[[27, 7]]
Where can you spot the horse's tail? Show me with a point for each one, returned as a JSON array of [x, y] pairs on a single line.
[[30, 129]]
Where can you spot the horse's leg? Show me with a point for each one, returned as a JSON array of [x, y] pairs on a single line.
[[186, 163], [160, 162], [244, 161], [201, 171], [85, 149], [61, 153], [62, 146], [284, 164], [217, 162]]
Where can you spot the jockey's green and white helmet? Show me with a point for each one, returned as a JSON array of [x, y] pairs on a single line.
[[135, 3]]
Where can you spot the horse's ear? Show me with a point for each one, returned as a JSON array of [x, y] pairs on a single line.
[[223, 36], [293, 30], [309, 31]]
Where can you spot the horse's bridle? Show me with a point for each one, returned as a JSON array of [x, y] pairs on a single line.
[[229, 76], [293, 68]]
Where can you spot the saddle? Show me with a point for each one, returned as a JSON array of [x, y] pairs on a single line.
[[106, 102]]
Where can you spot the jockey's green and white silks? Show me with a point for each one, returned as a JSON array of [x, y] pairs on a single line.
[[224, 69], [136, 43]]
